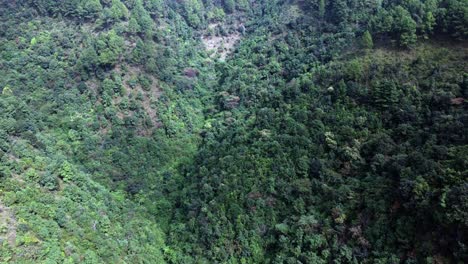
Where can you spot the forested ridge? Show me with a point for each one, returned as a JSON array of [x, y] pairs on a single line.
[[249, 131]]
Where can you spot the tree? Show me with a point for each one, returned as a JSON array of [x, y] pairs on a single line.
[[229, 6], [119, 10], [133, 26], [216, 14], [92, 8], [143, 18], [194, 12], [243, 5], [404, 26], [109, 47], [7, 91], [155, 6], [429, 23], [322, 9], [88, 60], [367, 41], [457, 18]]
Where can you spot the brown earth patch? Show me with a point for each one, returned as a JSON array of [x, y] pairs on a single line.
[[7, 225], [221, 45]]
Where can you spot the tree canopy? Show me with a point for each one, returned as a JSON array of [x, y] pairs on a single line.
[[197, 131]]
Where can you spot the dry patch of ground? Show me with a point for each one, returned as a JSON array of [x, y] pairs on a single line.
[[146, 98], [149, 95], [7, 226], [220, 45]]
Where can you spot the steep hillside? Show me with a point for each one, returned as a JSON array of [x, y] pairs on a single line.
[[267, 131]]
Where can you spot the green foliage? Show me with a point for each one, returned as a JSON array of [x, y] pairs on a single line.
[[83, 9], [405, 26], [229, 5], [216, 14], [92, 8], [142, 19], [115, 13], [456, 19], [314, 141], [66, 172], [6, 91], [321, 9], [109, 48], [367, 41]]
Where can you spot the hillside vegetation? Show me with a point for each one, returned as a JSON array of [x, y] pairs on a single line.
[[266, 131]]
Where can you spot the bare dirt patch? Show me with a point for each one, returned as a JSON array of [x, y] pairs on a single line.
[[149, 96], [221, 45], [7, 225]]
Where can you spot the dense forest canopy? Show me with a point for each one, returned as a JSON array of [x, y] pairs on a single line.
[[222, 131]]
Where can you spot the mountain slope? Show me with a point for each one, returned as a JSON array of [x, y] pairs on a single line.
[[195, 131]]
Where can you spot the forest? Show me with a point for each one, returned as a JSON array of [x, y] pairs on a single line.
[[234, 131]]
